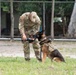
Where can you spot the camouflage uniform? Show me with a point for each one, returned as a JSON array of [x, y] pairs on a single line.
[[29, 23]]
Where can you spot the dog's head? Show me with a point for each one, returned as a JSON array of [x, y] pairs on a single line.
[[40, 35]]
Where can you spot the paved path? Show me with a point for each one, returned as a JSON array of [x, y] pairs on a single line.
[[12, 49], [15, 49]]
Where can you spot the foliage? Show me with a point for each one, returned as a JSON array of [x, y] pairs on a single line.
[[5, 6], [24, 7], [63, 9]]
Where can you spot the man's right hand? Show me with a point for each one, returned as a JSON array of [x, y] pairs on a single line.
[[24, 37]]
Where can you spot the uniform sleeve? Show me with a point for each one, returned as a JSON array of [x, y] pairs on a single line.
[[37, 26], [38, 23], [21, 25]]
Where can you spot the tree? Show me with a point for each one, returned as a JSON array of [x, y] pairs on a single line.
[[72, 24], [62, 10]]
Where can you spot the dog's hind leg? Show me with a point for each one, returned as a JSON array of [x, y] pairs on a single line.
[[57, 56], [57, 59]]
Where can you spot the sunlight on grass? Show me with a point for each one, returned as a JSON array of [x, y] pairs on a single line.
[[18, 66]]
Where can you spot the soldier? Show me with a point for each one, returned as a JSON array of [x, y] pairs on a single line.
[[29, 25]]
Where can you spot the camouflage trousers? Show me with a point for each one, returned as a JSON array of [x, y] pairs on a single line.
[[36, 48]]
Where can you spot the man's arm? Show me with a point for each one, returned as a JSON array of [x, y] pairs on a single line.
[[21, 27], [36, 20]]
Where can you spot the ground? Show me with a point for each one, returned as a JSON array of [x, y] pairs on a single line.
[[15, 49], [12, 49]]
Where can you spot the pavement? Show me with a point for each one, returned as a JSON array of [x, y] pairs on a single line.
[[15, 49]]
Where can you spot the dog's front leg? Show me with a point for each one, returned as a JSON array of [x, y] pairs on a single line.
[[44, 56], [44, 51]]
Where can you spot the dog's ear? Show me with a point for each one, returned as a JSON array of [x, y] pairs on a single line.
[[40, 35]]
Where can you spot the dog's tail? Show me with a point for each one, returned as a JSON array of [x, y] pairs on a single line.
[[58, 55]]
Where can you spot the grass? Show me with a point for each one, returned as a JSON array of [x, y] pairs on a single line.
[[18, 66]]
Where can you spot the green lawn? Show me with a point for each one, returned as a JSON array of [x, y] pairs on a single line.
[[18, 66]]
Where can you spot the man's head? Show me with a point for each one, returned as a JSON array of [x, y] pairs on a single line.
[[25, 16], [34, 17]]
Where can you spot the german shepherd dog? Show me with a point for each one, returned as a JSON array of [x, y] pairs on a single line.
[[52, 53]]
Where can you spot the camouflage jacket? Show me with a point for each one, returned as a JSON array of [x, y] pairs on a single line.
[[29, 23]]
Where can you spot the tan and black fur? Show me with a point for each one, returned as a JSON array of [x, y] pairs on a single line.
[[54, 54]]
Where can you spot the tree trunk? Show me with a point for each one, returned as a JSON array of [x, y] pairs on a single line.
[[64, 24], [72, 24], [12, 20], [0, 19]]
